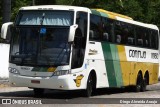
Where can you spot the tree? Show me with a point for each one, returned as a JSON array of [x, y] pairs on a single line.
[[17, 4], [0, 12], [45, 2]]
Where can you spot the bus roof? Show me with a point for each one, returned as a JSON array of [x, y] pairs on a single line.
[[55, 7], [120, 17]]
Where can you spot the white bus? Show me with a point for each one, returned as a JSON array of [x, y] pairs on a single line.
[[77, 48]]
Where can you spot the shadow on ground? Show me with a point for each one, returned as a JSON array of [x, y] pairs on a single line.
[[55, 94]]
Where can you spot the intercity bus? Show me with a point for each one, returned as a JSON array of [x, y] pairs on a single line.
[[77, 48]]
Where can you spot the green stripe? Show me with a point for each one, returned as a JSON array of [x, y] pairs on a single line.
[[118, 68], [95, 12], [103, 14], [112, 63], [108, 56], [99, 13]]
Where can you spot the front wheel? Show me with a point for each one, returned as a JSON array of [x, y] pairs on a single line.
[[89, 89], [38, 92]]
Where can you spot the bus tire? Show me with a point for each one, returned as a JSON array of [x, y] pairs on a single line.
[[144, 84], [89, 88], [38, 92], [139, 83]]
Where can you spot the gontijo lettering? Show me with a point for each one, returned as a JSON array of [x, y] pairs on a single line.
[[137, 54]]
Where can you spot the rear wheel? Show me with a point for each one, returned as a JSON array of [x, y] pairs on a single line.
[[139, 83], [144, 84], [38, 92]]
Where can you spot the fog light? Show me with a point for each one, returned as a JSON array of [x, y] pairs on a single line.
[[13, 83], [61, 86]]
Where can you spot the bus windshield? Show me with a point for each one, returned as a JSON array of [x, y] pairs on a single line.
[[40, 37], [44, 46], [43, 17]]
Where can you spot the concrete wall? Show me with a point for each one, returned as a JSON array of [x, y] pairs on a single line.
[[4, 55]]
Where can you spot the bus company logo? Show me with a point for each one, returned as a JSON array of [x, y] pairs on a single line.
[[92, 52], [6, 101]]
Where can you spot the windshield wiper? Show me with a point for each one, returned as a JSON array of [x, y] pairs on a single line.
[[23, 56], [60, 54], [43, 16]]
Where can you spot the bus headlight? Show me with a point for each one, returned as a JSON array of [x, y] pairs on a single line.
[[13, 70], [61, 72]]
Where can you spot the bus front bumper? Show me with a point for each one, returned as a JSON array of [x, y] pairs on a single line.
[[65, 82]]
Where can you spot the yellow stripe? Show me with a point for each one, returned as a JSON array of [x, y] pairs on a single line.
[[113, 15], [125, 65]]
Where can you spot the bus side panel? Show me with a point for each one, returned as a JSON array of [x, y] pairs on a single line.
[[141, 61], [96, 62], [154, 74], [125, 65], [133, 74]]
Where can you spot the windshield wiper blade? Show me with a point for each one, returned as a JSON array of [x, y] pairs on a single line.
[[23, 57], [41, 21]]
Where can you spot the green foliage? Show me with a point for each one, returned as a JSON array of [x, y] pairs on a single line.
[[45, 2], [16, 4], [0, 12]]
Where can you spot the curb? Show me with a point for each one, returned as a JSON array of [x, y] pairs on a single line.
[[4, 82]]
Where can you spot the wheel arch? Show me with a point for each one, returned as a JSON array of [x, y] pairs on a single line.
[[139, 73]]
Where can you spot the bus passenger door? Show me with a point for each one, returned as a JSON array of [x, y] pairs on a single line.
[[79, 46]]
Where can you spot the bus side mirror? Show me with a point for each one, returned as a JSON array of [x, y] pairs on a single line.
[[6, 30], [72, 31]]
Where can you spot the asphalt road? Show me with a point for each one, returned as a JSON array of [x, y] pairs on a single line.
[[102, 96]]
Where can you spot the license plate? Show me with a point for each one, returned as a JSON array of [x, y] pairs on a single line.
[[35, 81]]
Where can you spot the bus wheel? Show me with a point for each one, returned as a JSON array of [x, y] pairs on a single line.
[[38, 92], [144, 84], [139, 83], [89, 89]]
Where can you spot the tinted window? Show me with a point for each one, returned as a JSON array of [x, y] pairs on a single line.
[[140, 36], [108, 30], [95, 27], [154, 39]]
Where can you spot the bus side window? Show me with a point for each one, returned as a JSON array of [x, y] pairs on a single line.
[[131, 35], [140, 36], [107, 30], [146, 38], [105, 37], [94, 27], [118, 32], [118, 39], [154, 39]]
